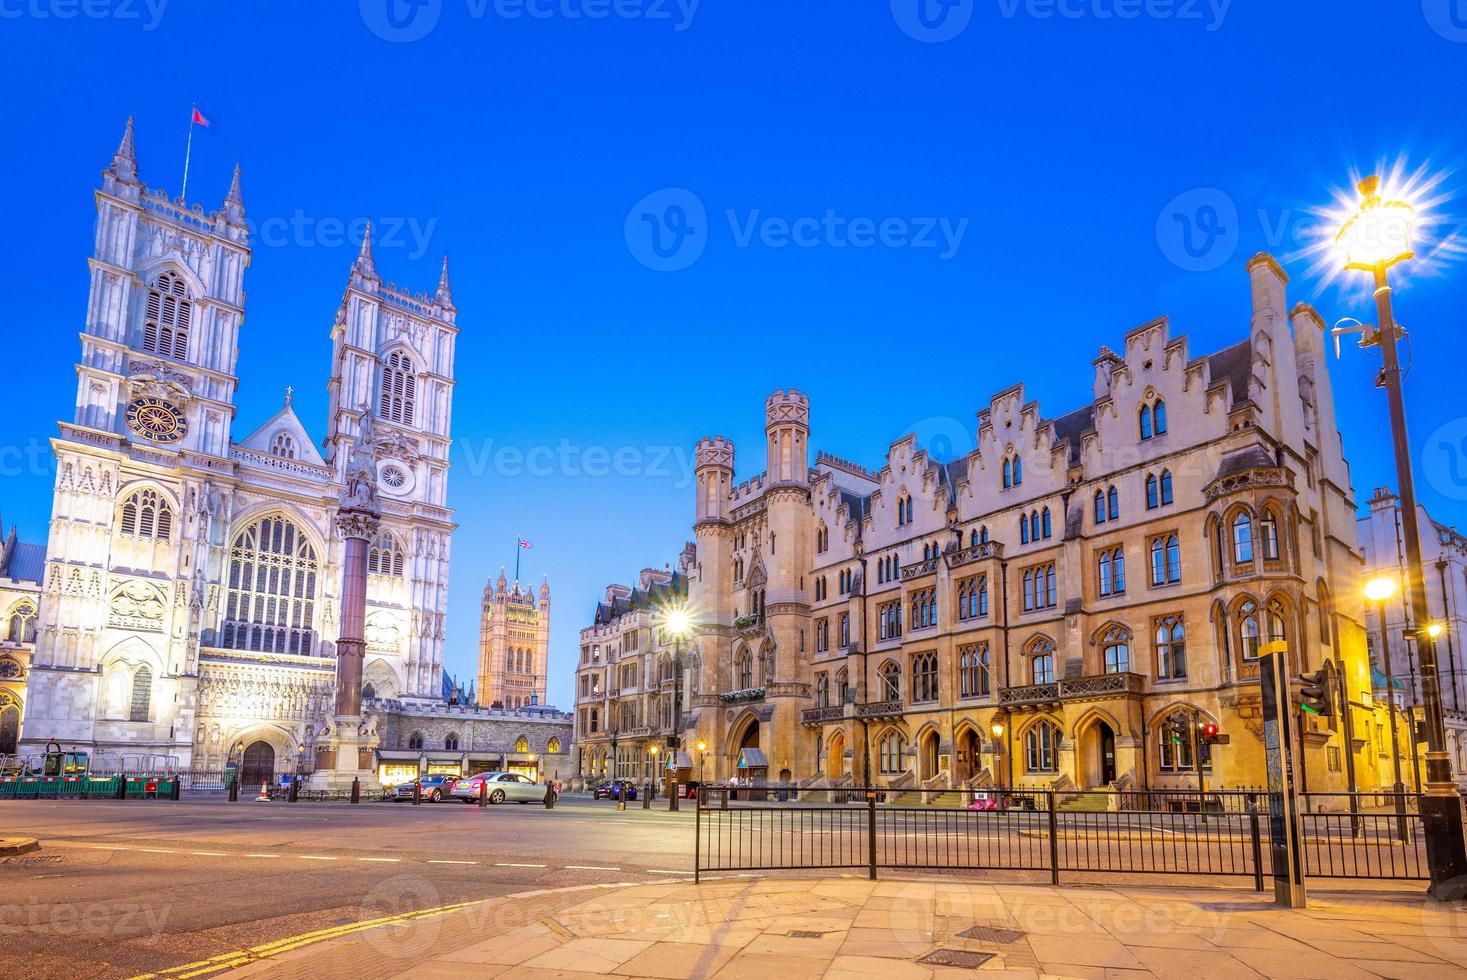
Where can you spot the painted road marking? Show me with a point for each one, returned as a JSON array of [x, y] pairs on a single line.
[[502, 864], [659, 871], [381, 860], [211, 854], [316, 857], [157, 850], [262, 855], [588, 867], [431, 861]]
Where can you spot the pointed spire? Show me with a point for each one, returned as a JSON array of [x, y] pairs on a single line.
[[545, 587], [364, 266], [289, 394], [234, 194], [444, 296], [503, 582], [125, 160], [234, 200]]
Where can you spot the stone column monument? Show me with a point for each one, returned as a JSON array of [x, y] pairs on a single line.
[[347, 754]]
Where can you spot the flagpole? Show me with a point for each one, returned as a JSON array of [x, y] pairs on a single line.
[[517, 549], [188, 150]]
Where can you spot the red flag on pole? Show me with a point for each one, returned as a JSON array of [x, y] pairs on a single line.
[[524, 543], [199, 117]]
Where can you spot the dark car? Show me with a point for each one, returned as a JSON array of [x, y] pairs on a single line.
[[435, 786], [607, 790]]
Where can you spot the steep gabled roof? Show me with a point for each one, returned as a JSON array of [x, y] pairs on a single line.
[[284, 420]]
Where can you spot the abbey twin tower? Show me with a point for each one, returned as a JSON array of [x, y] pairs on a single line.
[[189, 604]]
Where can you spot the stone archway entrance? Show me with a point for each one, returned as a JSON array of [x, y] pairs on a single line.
[[927, 755], [9, 725], [1097, 761], [968, 761], [257, 764], [835, 756]]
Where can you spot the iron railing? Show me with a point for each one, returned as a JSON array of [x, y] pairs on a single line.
[[1062, 833]]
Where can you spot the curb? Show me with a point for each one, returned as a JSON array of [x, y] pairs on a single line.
[[10, 846]]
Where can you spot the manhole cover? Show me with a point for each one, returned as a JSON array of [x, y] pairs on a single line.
[[991, 934], [960, 958], [804, 934]]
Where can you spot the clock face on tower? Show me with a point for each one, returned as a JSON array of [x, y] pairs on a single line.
[[156, 420]]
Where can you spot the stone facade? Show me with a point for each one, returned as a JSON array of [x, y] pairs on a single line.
[[1033, 612], [514, 645], [22, 565], [465, 739], [1444, 555], [191, 599], [624, 681]]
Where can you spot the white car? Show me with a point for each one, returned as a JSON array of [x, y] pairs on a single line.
[[501, 786]]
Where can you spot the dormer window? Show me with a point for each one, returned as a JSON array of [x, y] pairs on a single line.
[[166, 322]]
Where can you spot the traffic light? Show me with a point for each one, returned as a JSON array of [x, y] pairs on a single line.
[[1176, 729], [1211, 736], [1315, 695]]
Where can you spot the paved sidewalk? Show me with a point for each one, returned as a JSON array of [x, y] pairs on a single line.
[[788, 929]]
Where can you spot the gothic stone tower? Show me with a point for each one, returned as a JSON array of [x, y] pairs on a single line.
[[514, 644]]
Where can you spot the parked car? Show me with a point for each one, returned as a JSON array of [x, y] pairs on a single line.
[[607, 790], [500, 786], [436, 786]]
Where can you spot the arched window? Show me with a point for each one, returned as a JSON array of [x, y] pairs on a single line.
[[1158, 412], [974, 675], [1153, 495], [744, 669], [1008, 472], [893, 752], [271, 596], [842, 681], [415, 741], [1171, 648], [1105, 573], [1034, 525], [1175, 754], [822, 539], [1242, 538], [903, 515], [983, 534], [1099, 507], [1041, 747], [1044, 522], [924, 678], [1112, 572], [1249, 635], [1277, 622], [142, 694], [1268, 535], [21, 627], [1041, 661], [450, 742], [595, 720], [1166, 560], [553, 746], [283, 445], [1145, 421], [522, 744], [384, 557], [1023, 529], [166, 323], [1116, 646], [399, 389], [822, 690], [1166, 487], [1112, 504], [145, 514], [891, 681]]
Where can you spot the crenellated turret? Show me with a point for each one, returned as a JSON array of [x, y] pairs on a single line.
[[713, 469], [787, 431]]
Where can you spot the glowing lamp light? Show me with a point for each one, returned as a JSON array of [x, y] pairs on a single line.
[[1378, 234], [678, 622], [702, 746], [1380, 589], [997, 730], [1435, 630]]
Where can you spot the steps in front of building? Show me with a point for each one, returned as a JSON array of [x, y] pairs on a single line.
[[1087, 803]]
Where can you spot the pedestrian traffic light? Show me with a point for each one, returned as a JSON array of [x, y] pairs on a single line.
[[1315, 695]]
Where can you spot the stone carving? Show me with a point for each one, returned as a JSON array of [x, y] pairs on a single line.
[[361, 470], [137, 605]]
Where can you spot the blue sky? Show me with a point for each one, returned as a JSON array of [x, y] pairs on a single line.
[[657, 212]]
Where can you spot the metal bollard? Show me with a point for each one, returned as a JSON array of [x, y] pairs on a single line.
[[621, 796], [647, 796], [417, 793], [550, 797], [233, 789], [295, 790], [483, 794], [356, 790]]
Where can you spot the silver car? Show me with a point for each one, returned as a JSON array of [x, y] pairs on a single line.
[[500, 786]]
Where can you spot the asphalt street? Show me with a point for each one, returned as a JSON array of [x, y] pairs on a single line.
[[120, 888]]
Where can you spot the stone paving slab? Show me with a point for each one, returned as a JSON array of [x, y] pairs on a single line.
[[791, 929]]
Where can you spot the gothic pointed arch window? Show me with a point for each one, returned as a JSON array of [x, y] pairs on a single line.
[[1041, 746], [891, 681], [1175, 755], [1100, 507], [1115, 646], [415, 741], [145, 514], [20, 626], [385, 556], [892, 752], [283, 445], [974, 671], [1166, 487], [924, 678], [1268, 534], [142, 694], [1171, 648], [1249, 633], [1040, 653], [270, 598], [522, 744], [1153, 493], [1242, 538], [553, 746], [450, 742], [398, 393], [166, 319], [743, 669]]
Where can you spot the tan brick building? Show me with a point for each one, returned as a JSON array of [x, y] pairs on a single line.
[[514, 644], [1075, 579]]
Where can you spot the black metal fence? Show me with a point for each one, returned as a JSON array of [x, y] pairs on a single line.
[[1224, 834]]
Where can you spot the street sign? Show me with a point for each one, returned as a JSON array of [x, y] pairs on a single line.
[[1283, 804]]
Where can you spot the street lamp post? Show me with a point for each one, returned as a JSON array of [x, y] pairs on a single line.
[[999, 757], [1375, 238], [1380, 589], [678, 623]]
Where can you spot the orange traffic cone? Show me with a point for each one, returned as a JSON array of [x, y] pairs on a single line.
[[264, 796]]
